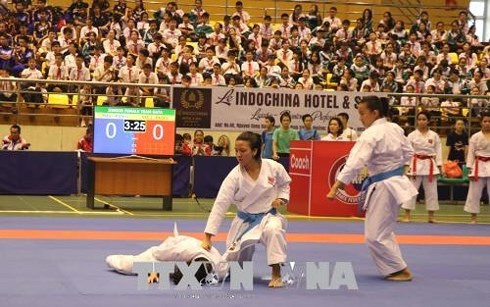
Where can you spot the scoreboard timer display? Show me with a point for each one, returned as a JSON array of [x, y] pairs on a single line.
[[134, 131]]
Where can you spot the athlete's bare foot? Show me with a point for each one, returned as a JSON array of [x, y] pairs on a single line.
[[276, 281], [473, 222], [473, 218], [432, 221], [405, 219], [403, 275]]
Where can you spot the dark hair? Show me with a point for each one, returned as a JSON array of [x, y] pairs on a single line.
[[304, 117], [339, 122], [255, 141], [483, 114], [375, 103], [285, 114], [199, 130], [343, 114], [425, 113], [208, 138], [271, 119], [15, 126]]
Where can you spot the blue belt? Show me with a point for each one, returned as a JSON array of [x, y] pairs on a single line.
[[373, 179], [381, 176], [253, 219]]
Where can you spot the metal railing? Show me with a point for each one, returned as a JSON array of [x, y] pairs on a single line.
[[24, 108]]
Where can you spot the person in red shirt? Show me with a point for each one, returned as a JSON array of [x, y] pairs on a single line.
[[86, 142]]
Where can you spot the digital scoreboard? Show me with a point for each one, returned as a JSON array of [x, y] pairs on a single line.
[[134, 131]]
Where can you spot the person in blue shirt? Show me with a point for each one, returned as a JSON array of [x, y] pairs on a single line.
[[308, 133], [267, 137]]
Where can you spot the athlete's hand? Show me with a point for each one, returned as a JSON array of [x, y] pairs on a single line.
[[332, 193], [277, 203], [333, 190], [206, 243]]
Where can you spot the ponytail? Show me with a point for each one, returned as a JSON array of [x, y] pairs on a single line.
[[375, 103]]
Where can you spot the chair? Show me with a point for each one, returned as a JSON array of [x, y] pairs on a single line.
[[329, 83], [101, 99], [149, 102], [451, 182], [58, 100], [454, 58]]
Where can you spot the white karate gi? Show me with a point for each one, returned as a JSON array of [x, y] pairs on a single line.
[[382, 147], [331, 137], [175, 248], [479, 146], [349, 134], [253, 197], [425, 146]]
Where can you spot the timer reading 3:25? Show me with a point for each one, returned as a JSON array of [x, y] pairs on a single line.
[[135, 125]]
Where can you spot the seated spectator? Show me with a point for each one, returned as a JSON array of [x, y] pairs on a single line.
[[199, 147], [186, 144], [162, 94], [86, 142], [179, 142], [223, 145], [8, 88], [34, 89], [15, 141]]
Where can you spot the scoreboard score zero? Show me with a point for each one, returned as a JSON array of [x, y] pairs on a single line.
[[138, 131]]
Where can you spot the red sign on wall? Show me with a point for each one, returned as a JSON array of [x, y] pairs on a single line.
[[309, 188]]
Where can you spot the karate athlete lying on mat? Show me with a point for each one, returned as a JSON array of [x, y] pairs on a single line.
[[174, 248], [384, 149], [257, 187]]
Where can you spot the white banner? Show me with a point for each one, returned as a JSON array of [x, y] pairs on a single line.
[[241, 109]]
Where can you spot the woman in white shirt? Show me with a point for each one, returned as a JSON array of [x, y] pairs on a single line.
[[335, 130]]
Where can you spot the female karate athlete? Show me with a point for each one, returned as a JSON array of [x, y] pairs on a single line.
[[385, 151], [257, 187], [425, 165], [174, 248], [478, 163]]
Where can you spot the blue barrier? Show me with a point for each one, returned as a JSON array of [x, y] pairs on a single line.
[[38, 173]]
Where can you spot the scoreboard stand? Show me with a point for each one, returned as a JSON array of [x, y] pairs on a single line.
[[128, 176]]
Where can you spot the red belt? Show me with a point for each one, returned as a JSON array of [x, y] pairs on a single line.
[[423, 157], [479, 158]]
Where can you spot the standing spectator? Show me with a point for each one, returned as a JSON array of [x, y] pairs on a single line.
[[335, 130], [425, 165], [267, 136], [15, 141], [349, 133], [308, 133], [478, 163], [457, 141], [282, 137]]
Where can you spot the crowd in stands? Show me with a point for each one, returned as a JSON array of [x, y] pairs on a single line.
[[132, 45], [202, 145]]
